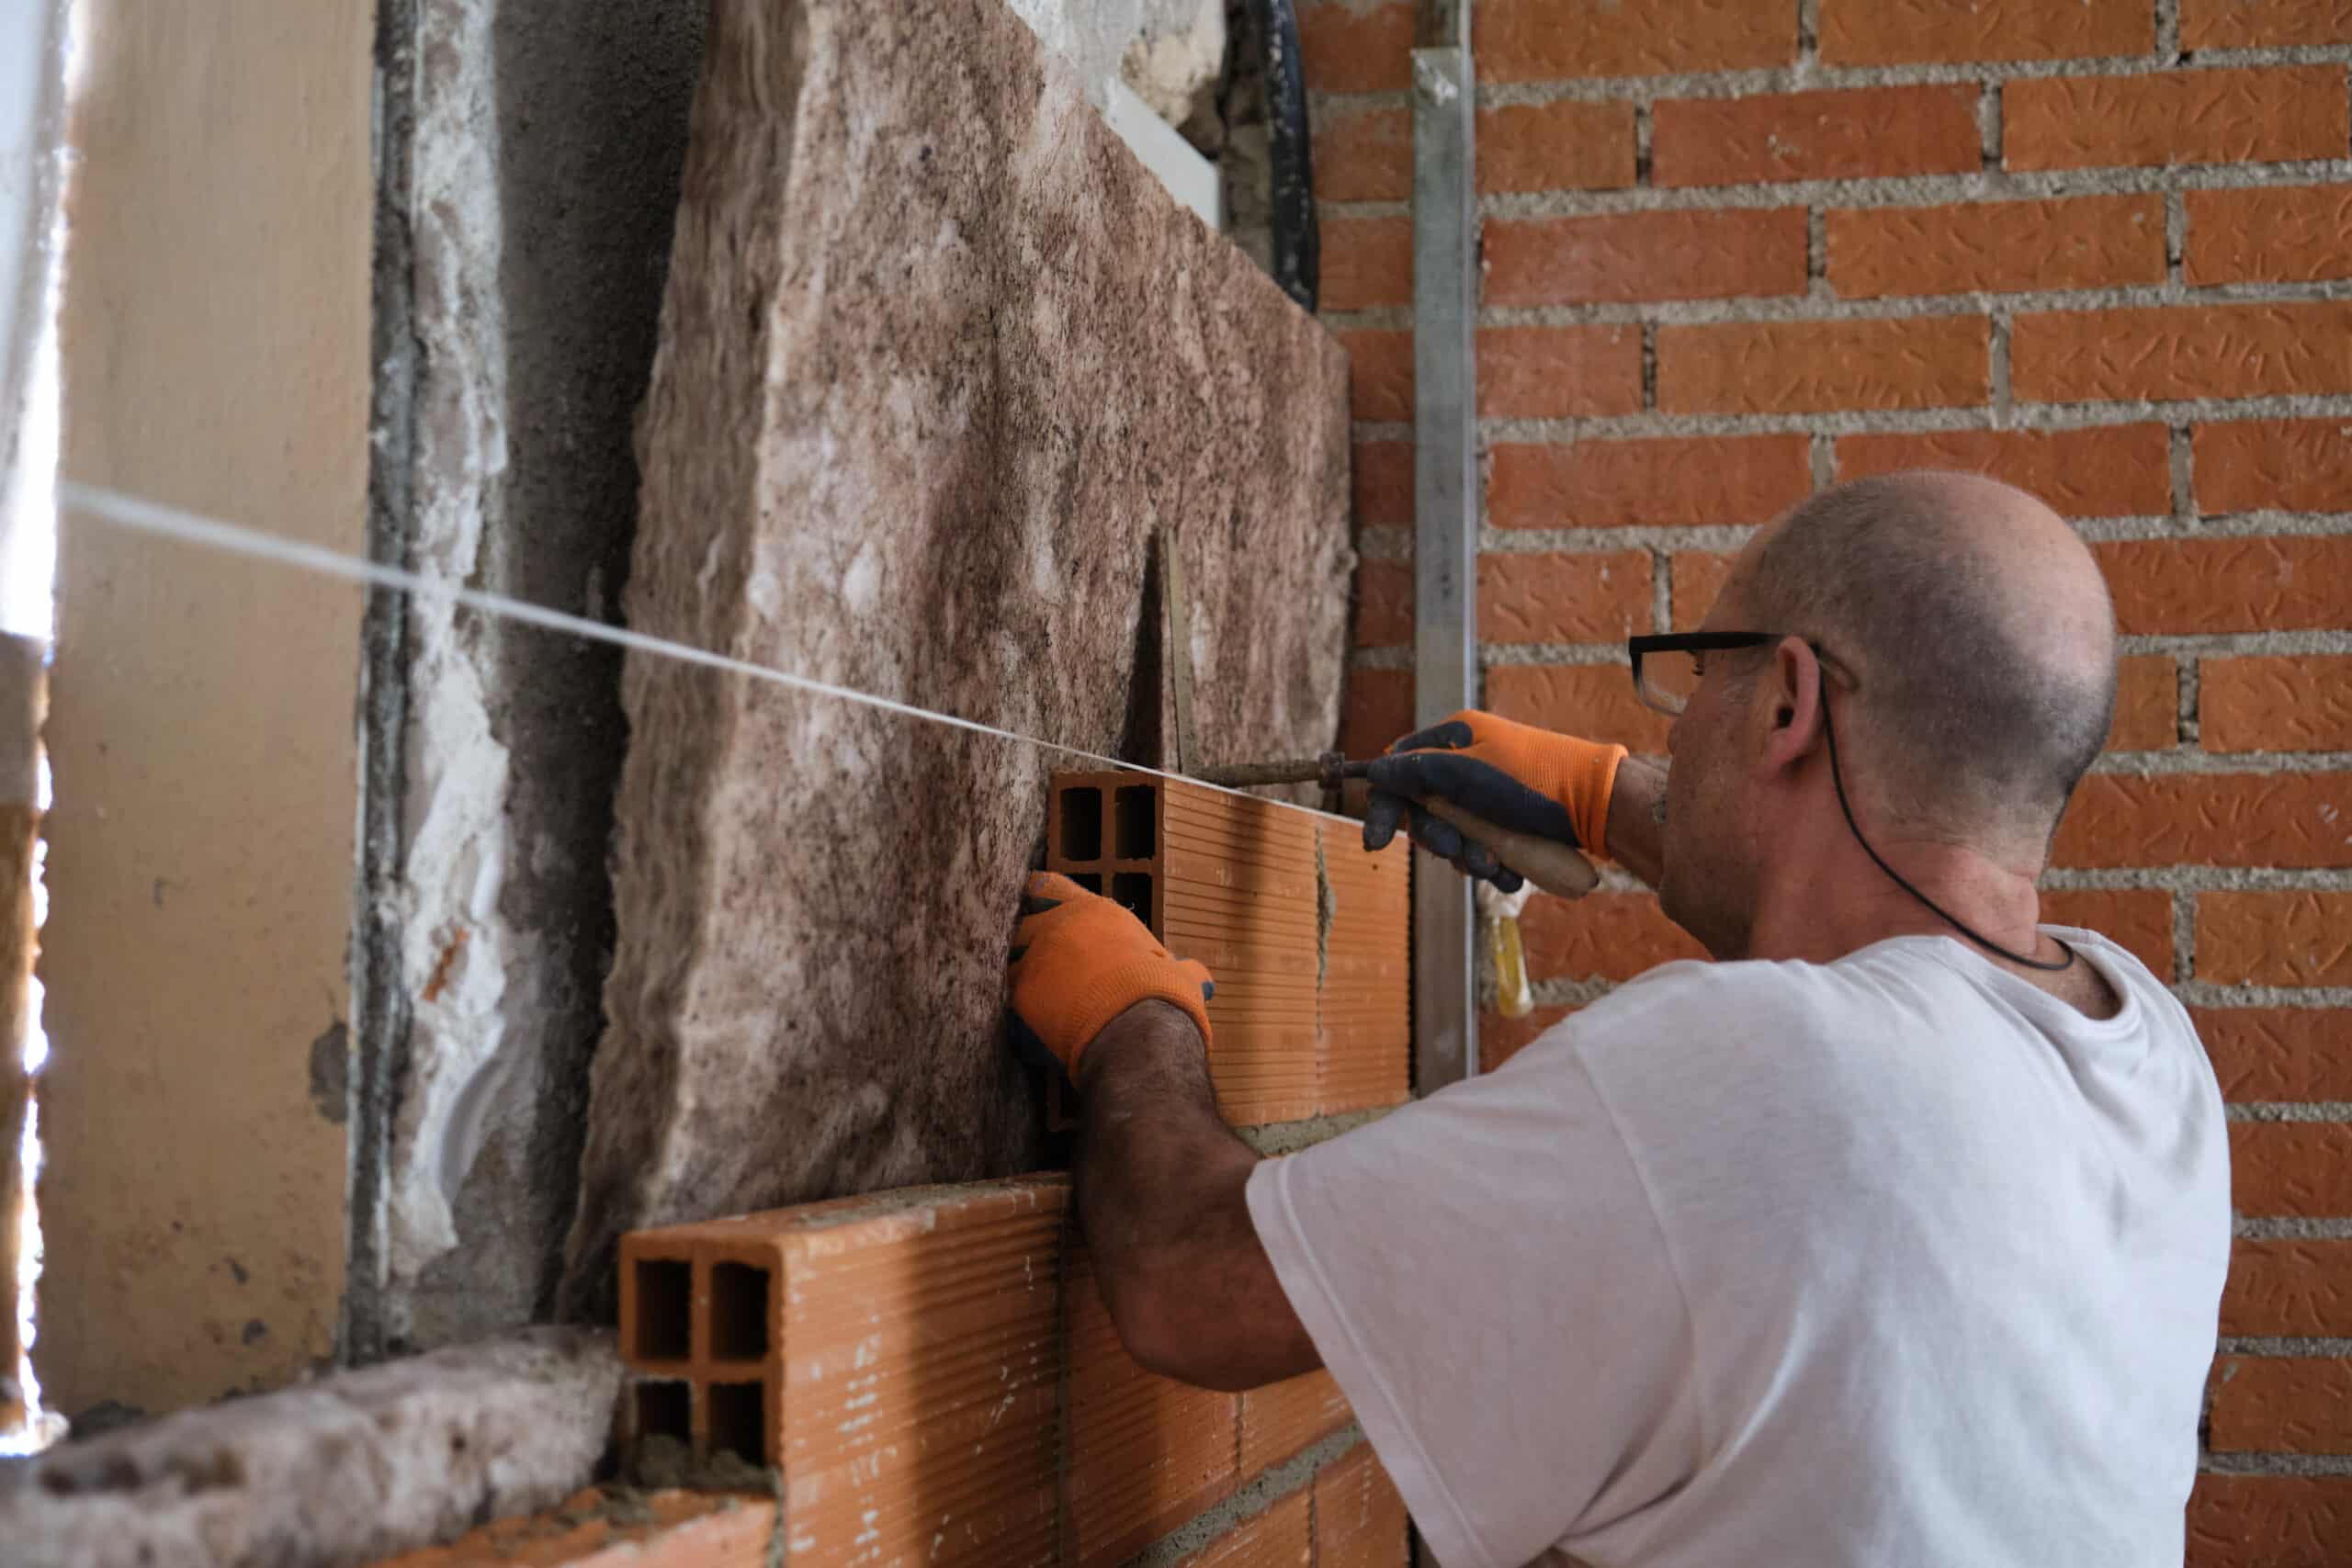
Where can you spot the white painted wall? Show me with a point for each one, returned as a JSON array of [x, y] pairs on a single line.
[[32, 35]]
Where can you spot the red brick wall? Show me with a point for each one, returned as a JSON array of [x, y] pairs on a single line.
[[1737, 249]]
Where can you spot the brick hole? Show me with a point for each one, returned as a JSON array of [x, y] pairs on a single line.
[[738, 1420], [1132, 890], [739, 1311], [1082, 824], [664, 1410], [1134, 822], [664, 1312], [1089, 880]]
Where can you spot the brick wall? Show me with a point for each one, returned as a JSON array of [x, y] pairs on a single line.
[[1737, 249]]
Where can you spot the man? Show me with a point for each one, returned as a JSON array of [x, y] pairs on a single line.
[[1895, 1236]]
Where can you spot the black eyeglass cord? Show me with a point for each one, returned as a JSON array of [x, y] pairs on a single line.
[[1831, 732]]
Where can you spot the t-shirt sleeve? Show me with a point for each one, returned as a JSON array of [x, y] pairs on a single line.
[[1483, 1275]]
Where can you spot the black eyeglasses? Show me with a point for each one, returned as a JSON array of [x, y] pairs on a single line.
[[1666, 668]]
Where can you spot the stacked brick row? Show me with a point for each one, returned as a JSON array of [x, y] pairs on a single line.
[[936, 1375], [1734, 250], [1307, 934]]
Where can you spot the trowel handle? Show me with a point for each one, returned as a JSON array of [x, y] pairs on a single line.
[[1547, 862]]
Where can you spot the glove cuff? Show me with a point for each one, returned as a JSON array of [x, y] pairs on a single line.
[[1113, 991], [1587, 783]]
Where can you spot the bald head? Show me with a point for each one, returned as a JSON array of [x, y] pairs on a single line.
[[1980, 631]]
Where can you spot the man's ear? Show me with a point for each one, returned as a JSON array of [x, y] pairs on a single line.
[[1791, 693]]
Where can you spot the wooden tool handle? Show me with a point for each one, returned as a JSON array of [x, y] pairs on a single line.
[[1547, 862]]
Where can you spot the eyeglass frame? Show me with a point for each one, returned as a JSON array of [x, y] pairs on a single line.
[[1715, 642]]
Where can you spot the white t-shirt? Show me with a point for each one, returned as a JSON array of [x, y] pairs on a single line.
[[1893, 1260]]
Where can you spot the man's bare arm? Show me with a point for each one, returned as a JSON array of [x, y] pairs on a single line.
[[1637, 820], [1160, 1191]]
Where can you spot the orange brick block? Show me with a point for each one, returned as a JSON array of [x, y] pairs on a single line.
[[1384, 603], [2147, 703], [918, 1410], [2189, 586], [1364, 152], [2080, 243], [2137, 920], [1587, 699], [1381, 484], [1669, 483], [1852, 133], [2300, 1170], [1601, 597], [1699, 578], [1281, 1536], [1237, 883], [1559, 372], [2276, 703], [2263, 24], [1823, 367], [2273, 234], [2271, 1521], [2119, 470], [2257, 114], [1360, 1518], [2287, 819], [2275, 939], [2288, 1287], [1146, 1453], [1377, 708], [2292, 464], [1367, 262], [1602, 936], [1894, 32], [2198, 351], [1527, 40], [1566, 145], [594, 1530], [2295, 1404], [1648, 255], [2279, 1053], [1282, 1418], [1348, 48], [1363, 998], [1380, 374]]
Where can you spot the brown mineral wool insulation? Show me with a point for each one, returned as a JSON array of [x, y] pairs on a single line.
[[938, 357]]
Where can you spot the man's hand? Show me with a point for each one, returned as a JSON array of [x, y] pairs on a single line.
[[1080, 960], [1514, 776]]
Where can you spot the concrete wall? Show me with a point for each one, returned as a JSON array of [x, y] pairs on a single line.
[[199, 866]]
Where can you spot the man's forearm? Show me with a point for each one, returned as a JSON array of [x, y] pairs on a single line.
[[1637, 820], [1161, 1184]]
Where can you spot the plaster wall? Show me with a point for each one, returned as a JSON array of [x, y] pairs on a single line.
[[215, 353]]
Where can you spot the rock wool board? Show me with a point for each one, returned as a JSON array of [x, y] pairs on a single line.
[[938, 361]]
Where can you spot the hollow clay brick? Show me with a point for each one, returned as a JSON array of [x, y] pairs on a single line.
[[2271, 234], [2235, 116], [2263, 24], [1363, 1003], [1280, 1536], [2295, 1170], [2194, 350], [1895, 32], [1360, 1518], [2137, 920], [1145, 1453], [1693, 481], [2118, 470], [2087, 242], [2289, 1286], [1281, 1418], [2294, 465], [1627, 256], [1582, 372], [907, 1363], [1917, 362], [2257, 585], [2269, 1521], [2287, 702], [2275, 939], [1851, 133], [1524, 40], [2300, 1405], [2285, 820], [2279, 1053]]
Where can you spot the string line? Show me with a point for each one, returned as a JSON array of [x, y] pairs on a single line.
[[139, 515]]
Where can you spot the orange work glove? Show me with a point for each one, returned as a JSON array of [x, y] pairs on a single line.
[[1080, 960], [1513, 775]]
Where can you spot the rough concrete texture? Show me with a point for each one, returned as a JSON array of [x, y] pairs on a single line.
[[546, 148], [937, 359], [343, 1470]]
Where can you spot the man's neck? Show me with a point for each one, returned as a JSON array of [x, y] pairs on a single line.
[[1844, 902]]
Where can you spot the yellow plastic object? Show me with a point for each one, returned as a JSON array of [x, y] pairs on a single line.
[[1510, 966]]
